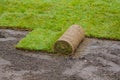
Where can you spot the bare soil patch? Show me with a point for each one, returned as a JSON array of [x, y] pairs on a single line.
[[94, 60]]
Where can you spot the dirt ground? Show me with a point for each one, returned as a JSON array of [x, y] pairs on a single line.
[[94, 60]]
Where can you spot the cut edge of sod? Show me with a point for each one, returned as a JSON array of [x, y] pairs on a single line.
[[18, 45]]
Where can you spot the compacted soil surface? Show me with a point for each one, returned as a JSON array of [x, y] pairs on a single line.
[[94, 60]]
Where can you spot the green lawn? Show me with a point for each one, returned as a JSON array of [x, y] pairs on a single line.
[[50, 18]]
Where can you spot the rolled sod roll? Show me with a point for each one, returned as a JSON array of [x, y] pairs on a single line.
[[70, 40]]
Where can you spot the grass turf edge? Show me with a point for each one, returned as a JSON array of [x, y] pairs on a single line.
[[40, 40]]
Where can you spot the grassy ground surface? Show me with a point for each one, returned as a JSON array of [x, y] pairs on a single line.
[[50, 18]]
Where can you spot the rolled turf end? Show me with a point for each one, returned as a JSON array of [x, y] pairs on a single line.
[[70, 40], [62, 47]]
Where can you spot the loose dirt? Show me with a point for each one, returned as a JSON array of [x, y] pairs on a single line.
[[94, 60]]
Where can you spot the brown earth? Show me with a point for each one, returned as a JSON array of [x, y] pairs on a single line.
[[94, 60]]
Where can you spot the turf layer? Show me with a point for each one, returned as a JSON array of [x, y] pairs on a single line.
[[50, 18]]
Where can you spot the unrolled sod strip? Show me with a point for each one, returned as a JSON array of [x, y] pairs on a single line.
[[70, 40]]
